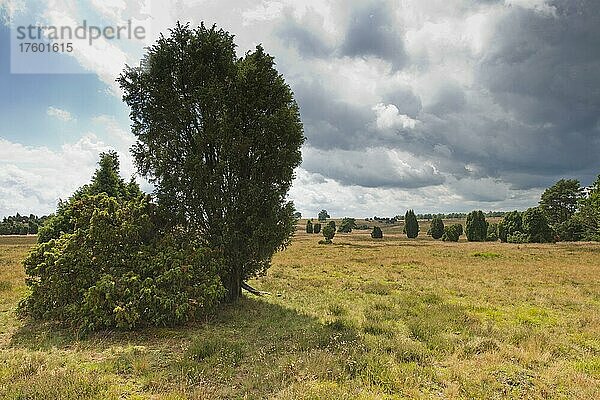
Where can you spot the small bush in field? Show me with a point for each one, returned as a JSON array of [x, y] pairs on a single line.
[[492, 233], [377, 233], [517, 237], [309, 227], [411, 225], [511, 224], [437, 228], [317, 228], [477, 227], [328, 234], [452, 233], [535, 225]]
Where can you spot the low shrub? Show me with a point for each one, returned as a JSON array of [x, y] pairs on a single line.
[[437, 228], [114, 271], [328, 234], [309, 227], [452, 233], [492, 233], [317, 228], [377, 233], [517, 237]]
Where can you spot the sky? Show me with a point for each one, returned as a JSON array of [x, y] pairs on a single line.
[[437, 106]]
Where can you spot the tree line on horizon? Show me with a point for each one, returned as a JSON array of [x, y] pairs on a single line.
[[21, 224], [566, 212]]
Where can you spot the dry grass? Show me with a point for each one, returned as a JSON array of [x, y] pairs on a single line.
[[361, 318]]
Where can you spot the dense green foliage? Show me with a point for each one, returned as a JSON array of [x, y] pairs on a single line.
[[437, 228], [220, 137], [536, 227], [559, 202], [452, 233], [114, 267], [492, 233], [309, 226], [511, 224], [328, 233], [411, 225], [347, 225], [589, 212], [332, 224], [323, 215], [377, 233], [115, 272], [106, 180], [21, 224], [476, 227], [316, 228], [518, 237]]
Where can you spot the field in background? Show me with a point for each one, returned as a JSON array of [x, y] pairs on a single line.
[[357, 319]]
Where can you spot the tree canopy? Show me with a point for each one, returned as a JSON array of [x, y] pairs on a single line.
[[323, 215], [559, 202], [220, 137], [437, 228], [411, 225], [476, 227]]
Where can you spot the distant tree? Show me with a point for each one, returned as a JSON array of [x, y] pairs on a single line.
[[476, 228], [309, 227], [589, 212], [297, 215], [536, 227], [316, 228], [377, 233], [572, 230], [518, 237], [437, 228], [328, 234], [411, 225], [492, 233], [347, 225], [559, 202], [501, 232], [323, 215], [220, 137], [452, 233], [332, 224], [459, 229], [511, 224]]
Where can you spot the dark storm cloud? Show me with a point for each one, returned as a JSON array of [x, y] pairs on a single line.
[[539, 69], [448, 99], [372, 31], [405, 100], [543, 69], [372, 168], [306, 40], [328, 122]]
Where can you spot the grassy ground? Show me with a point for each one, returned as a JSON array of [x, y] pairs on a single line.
[[357, 319]]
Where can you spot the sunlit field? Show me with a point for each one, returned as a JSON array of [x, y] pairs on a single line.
[[361, 318]]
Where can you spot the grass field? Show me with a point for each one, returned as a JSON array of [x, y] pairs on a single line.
[[393, 318]]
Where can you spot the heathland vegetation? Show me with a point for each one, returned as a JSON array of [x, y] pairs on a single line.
[[129, 295]]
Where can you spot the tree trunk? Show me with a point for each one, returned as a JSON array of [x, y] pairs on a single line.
[[234, 284]]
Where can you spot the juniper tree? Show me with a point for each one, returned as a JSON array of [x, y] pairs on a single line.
[[437, 228], [220, 137], [476, 228], [411, 225]]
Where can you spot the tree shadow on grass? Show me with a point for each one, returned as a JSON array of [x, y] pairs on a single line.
[[254, 346], [259, 349], [250, 317]]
